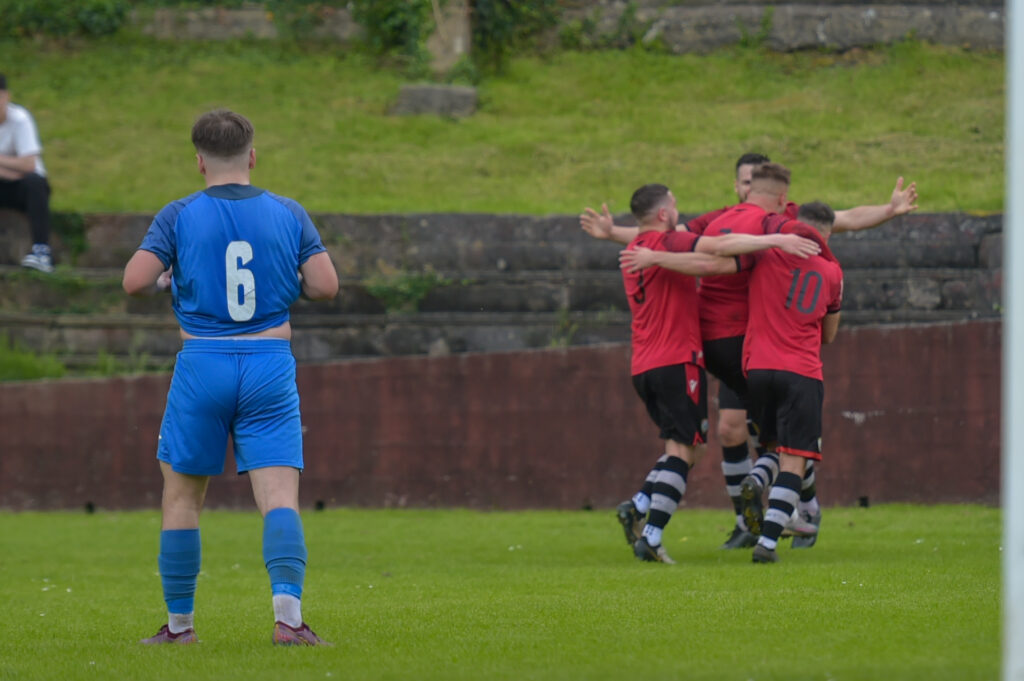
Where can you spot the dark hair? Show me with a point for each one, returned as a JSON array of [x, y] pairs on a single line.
[[646, 199], [222, 133], [817, 213], [751, 159], [773, 172], [3, 82]]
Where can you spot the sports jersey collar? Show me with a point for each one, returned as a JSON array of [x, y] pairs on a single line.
[[233, 192]]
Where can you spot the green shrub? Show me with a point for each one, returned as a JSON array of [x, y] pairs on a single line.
[[394, 26], [61, 18], [501, 26]]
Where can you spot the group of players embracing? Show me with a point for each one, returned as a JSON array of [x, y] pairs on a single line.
[[768, 295]]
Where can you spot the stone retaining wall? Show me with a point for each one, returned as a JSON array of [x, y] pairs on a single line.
[[681, 27], [495, 283]]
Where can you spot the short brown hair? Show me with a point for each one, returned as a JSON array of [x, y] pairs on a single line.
[[817, 214], [646, 200], [222, 133], [772, 172]]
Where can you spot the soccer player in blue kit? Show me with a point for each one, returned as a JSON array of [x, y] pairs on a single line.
[[235, 257]]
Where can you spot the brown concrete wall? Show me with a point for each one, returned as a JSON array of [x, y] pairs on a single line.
[[912, 414]]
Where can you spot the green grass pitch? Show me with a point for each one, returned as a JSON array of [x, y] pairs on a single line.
[[889, 592]]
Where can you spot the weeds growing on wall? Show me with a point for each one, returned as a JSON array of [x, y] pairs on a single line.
[[17, 363], [400, 290]]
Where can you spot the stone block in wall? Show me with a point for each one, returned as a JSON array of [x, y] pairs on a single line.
[[15, 236], [970, 291], [843, 27], [685, 27], [598, 294], [440, 100], [253, 21], [459, 242], [112, 238], [990, 251], [917, 240], [494, 295], [452, 35]]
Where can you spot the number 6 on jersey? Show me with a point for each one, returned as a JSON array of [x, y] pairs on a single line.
[[241, 285]]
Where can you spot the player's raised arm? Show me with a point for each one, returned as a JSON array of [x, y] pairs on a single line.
[[903, 201], [601, 226]]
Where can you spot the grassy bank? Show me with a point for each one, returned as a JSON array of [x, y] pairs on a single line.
[[552, 134]]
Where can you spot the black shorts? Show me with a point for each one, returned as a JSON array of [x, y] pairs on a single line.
[[676, 398], [730, 399], [724, 359], [788, 411]]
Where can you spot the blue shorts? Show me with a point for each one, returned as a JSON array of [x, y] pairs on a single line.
[[242, 387]]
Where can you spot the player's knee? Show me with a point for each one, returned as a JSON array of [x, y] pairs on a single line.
[[732, 429]]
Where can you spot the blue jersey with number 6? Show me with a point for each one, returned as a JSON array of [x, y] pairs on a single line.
[[236, 251]]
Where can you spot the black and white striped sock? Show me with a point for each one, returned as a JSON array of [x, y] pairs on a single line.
[[766, 469], [669, 488], [782, 500], [808, 492], [736, 465], [642, 499]]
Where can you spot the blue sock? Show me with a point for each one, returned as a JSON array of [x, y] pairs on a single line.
[[284, 551], [179, 568]]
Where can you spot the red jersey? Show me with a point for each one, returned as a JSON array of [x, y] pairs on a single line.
[[665, 325], [698, 224], [701, 222], [789, 297], [723, 297]]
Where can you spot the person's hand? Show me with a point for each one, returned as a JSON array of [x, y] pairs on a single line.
[[903, 200], [597, 225], [798, 245], [163, 282], [636, 259]]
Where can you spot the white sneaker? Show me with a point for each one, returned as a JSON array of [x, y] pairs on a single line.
[[39, 259], [799, 526]]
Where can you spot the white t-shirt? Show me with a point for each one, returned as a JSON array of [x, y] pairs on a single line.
[[18, 136]]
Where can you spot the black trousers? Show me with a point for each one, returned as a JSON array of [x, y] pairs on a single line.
[[31, 195]]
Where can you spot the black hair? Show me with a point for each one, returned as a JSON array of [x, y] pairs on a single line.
[[751, 159]]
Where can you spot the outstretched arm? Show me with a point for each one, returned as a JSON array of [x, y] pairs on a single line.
[[694, 264], [741, 244], [600, 226], [904, 200]]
